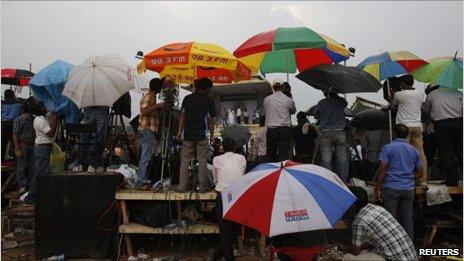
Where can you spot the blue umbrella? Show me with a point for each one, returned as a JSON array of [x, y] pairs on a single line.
[[47, 86]]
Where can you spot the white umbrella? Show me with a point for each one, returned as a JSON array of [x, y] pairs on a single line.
[[99, 81]]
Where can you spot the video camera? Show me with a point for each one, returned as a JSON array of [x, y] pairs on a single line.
[[394, 84], [170, 94]]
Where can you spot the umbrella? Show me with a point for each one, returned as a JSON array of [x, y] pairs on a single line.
[[16, 77], [286, 49], [239, 133], [47, 86], [444, 71], [288, 197], [338, 78], [372, 119], [185, 62], [99, 81], [390, 64]]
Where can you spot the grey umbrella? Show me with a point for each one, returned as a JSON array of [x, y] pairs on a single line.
[[239, 133]]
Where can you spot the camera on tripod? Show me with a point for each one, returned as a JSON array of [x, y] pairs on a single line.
[[170, 93]]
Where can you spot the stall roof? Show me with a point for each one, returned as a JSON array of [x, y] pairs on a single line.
[[256, 85]]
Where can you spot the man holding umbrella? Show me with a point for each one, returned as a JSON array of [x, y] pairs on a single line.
[[331, 115]]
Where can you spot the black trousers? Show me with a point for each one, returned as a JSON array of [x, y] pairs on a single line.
[[7, 135], [449, 136], [225, 248], [278, 143]]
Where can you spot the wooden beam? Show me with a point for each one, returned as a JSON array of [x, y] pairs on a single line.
[[132, 194], [134, 228]]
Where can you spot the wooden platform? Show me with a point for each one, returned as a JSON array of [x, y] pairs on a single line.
[[132, 194], [134, 228]]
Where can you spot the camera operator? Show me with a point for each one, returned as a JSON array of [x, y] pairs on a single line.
[[196, 107], [148, 126], [409, 103]]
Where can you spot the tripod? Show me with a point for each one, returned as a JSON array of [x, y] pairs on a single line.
[[117, 138], [164, 146]]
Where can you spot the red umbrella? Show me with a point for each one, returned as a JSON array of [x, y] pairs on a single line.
[[16, 77]]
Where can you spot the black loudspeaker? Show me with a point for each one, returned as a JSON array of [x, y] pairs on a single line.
[[77, 215]]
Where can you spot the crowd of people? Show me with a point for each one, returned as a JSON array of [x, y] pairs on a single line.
[[401, 164]]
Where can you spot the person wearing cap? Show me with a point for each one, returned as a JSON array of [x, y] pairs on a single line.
[[304, 135], [409, 104], [445, 108], [278, 108], [330, 112], [148, 126]]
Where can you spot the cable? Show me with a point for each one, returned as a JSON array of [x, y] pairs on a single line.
[[113, 203]]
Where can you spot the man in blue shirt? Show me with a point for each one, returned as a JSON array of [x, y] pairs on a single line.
[[331, 115], [11, 109], [400, 166]]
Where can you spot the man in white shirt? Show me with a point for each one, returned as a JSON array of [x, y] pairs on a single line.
[[278, 109], [445, 108], [44, 138], [409, 103], [226, 168]]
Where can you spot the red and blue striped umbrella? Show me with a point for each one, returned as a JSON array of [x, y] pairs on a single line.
[[288, 197]]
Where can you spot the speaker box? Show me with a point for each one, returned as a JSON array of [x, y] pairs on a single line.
[[77, 215]]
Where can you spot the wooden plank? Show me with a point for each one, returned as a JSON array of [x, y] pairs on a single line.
[[451, 190], [125, 216], [134, 228], [128, 242], [133, 194]]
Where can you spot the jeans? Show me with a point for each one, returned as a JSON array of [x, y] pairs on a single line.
[[92, 155], [25, 166], [402, 199], [42, 154], [415, 139], [225, 247], [147, 144], [278, 143], [7, 134], [186, 155], [449, 137], [335, 140]]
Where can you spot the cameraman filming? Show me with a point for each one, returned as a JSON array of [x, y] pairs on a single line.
[[195, 110], [148, 127]]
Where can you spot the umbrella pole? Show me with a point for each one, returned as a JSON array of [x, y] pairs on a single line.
[[286, 62], [389, 115], [30, 69]]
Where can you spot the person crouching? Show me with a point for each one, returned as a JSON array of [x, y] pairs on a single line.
[[226, 168]]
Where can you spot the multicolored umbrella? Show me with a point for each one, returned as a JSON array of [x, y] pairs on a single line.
[[16, 77], [287, 197], [185, 62], [287, 49], [444, 71], [389, 64]]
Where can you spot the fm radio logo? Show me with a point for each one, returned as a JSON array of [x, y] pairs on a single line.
[[296, 215]]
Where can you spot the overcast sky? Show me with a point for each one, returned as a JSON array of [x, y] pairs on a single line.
[[40, 32]]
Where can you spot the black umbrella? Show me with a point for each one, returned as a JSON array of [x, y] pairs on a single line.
[[372, 119], [340, 79], [239, 133], [16, 77]]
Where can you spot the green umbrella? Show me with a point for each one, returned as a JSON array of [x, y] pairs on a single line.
[[444, 71]]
